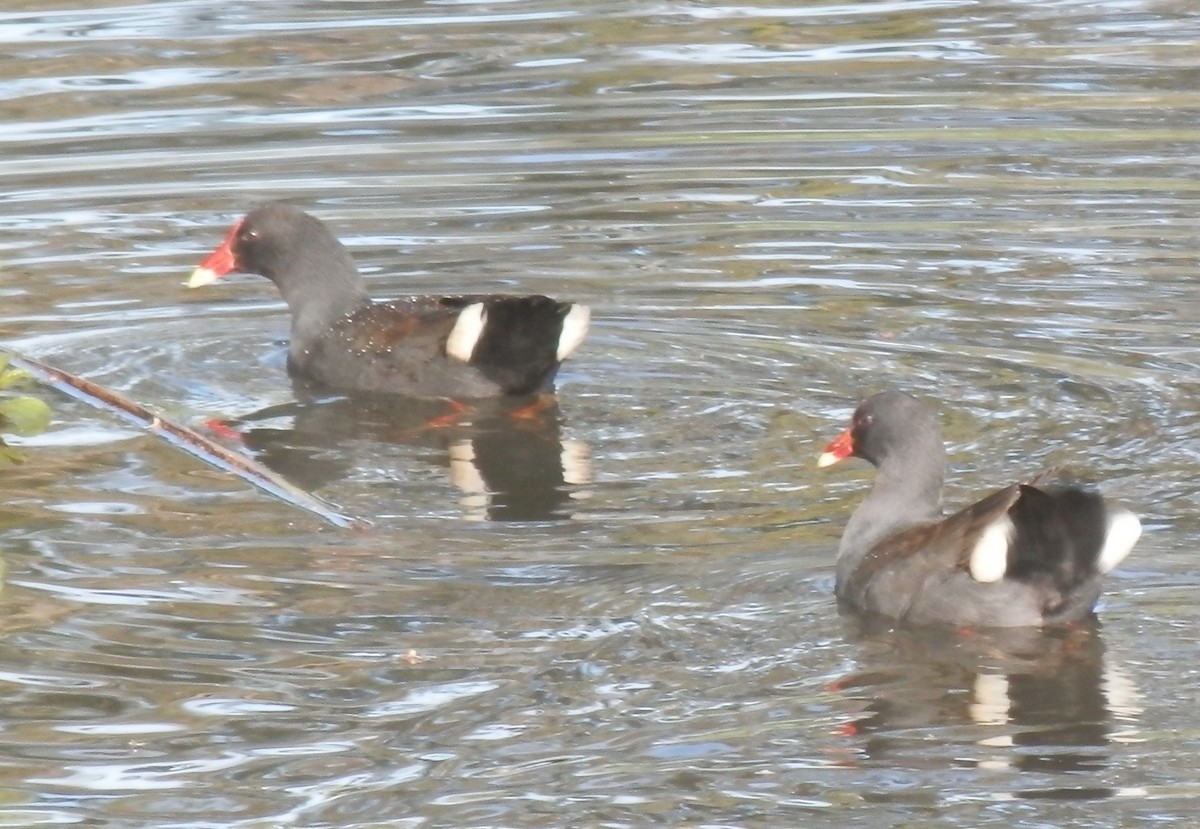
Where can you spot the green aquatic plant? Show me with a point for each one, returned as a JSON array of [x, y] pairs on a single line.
[[19, 414]]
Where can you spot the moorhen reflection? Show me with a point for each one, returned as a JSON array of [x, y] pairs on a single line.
[[1019, 698], [507, 456]]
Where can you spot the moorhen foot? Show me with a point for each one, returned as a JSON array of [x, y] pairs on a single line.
[[452, 346], [1030, 554]]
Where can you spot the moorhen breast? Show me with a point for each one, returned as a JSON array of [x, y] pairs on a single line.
[[445, 346], [1030, 554]]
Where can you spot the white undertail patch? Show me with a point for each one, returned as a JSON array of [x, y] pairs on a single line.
[[989, 556], [1123, 531], [574, 329], [468, 328]]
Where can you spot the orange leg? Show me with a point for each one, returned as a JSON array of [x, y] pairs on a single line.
[[457, 412], [541, 403]]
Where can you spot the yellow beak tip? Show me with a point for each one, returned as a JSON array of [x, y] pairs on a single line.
[[200, 277]]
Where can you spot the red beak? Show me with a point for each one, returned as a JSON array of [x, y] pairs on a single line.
[[840, 448], [218, 263]]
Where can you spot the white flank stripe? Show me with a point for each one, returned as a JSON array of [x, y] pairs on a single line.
[[466, 332], [1124, 529], [989, 557], [574, 329]]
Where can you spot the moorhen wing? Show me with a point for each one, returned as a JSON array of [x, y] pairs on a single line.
[[452, 346], [1030, 554]]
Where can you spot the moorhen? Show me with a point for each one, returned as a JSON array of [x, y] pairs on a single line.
[[1030, 554], [452, 346]]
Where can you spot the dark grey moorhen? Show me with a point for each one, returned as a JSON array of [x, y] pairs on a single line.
[[456, 346], [1030, 554]]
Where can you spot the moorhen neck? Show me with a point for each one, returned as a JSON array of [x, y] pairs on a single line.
[[452, 346], [1030, 554]]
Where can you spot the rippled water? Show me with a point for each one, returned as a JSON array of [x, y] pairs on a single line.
[[773, 209]]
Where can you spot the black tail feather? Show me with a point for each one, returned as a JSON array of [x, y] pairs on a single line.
[[1059, 535], [518, 346]]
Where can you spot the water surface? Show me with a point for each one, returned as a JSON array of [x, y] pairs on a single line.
[[773, 210]]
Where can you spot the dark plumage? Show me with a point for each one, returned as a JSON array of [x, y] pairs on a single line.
[[454, 346], [1030, 554]]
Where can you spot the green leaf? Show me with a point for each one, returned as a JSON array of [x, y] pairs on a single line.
[[24, 415], [12, 376]]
